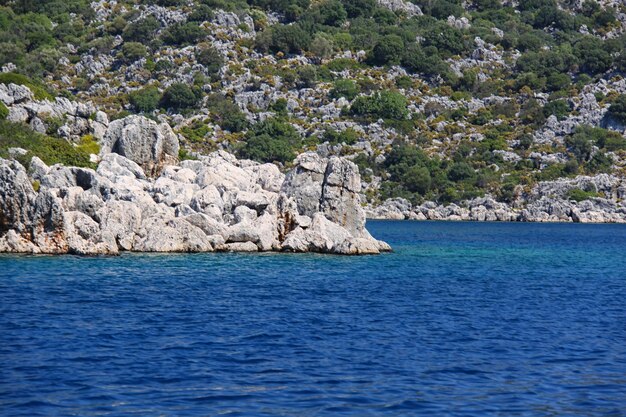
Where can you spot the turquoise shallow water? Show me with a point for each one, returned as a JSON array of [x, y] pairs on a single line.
[[463, 319]]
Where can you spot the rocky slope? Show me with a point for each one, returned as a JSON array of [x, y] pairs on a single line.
[[214, 203], [448, 108], [607, 207]]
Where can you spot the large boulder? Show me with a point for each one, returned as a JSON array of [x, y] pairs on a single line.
[[84, 236], [304, 182], [331, 186], [340, 200], [16, 197], [151, 145]]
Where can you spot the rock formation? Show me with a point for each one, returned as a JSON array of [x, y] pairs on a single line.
[[215, 203], [142, 140], [547, 202]]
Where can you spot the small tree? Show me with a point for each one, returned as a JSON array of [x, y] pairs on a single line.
[[386, 105], [180, 96], [226, 113], [145, 100], [388, 50], [132, 51], [344, 88], [357, 8], [142, 30], [618, 109], [210, 57], [271, 140], [183, 34], [417, 179]]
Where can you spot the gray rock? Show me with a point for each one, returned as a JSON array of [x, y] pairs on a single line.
[[84, 236], [17, 197], [340, 200], [304, 182], [403, 6], [151, 145], [241, 247], [177, 235], [122, 219]]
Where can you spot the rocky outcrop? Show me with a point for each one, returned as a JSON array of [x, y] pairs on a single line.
[[547, 202], [215, 203], [151, 145], [78, 119], [338, 196], [401, 6]]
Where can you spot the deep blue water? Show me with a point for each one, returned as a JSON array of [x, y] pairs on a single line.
[[463, 319]]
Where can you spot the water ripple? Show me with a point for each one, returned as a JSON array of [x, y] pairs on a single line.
[[461, 320]]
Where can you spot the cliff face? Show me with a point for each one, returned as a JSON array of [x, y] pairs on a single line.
[[215, 203]]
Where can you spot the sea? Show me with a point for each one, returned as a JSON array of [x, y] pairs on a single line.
[[461, 319]]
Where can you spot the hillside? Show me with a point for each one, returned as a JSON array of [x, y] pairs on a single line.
[[440, 101]]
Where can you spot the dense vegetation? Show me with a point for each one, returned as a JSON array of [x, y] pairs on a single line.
[[51, 150], [544, 59]]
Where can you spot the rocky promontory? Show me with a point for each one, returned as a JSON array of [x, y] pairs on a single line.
[[142, 199]]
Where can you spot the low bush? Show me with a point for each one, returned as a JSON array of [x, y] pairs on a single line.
[[180, 96], [145, 100], [4, 112], [39, 91], [344, 88], [272, 140], [385, 105], [50, 150], [579, 195]]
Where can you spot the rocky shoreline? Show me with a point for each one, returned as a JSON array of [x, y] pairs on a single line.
[[547, 202], [141, 199]]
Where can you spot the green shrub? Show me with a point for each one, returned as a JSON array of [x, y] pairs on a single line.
[[579, 195], [357, 8], [344, 88], [39, 91], [618, 109], [142, 30], [196, 131], [307, 76], [279, 106], [385, 104], [183, 34], [50, 150], [328, 12], [612, 141], [288, 39], [271, 140], [417, 179], [145, 100], [348, 136], [226, 113], [460, 171], [599, 163], [388, 50], [89, 145], [184, 155], [132, 51], [180, 96], [4, 112], [558, 108], [210, 57], [201, 13]]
